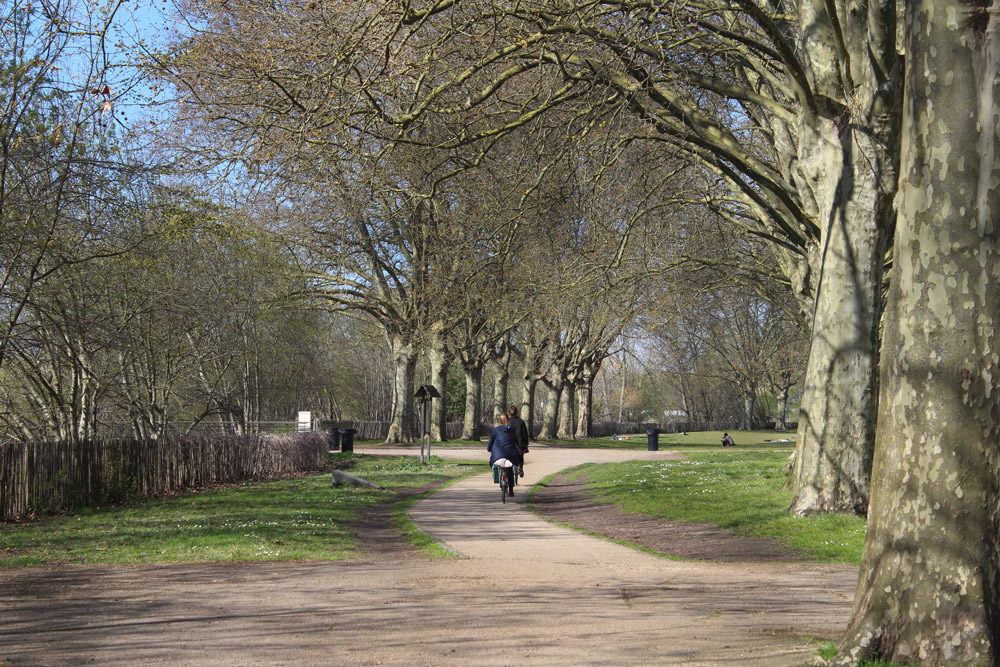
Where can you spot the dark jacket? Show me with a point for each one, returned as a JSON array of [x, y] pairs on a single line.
[[520, 432], [501, 446]]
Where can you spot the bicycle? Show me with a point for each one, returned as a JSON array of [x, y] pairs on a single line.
[[505, 474]]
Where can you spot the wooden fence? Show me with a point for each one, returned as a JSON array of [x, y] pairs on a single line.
[[44, 476], [378, 430]]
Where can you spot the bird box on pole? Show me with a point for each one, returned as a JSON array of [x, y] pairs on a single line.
[[425, 393]]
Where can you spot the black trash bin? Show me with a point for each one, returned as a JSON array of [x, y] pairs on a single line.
[[347, 439], [652, 439], [333, 435]]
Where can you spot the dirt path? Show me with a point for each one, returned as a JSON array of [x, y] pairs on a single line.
[[573, 599]]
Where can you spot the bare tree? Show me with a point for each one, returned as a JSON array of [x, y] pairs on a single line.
[[794, 107], [60, 168]]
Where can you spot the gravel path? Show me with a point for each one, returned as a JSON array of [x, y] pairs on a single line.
[[525, 592]]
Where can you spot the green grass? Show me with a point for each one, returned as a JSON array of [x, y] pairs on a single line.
[[289, 519], [740, 491], [695, 440], [827, 650], [434, 444]]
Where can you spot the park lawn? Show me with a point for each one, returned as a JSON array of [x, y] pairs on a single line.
[[288, 519], [768, 439], [740, 491], [691, 440], [374, 445]]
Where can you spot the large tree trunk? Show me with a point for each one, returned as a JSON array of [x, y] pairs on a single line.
[[529, 380], [528, 403], [837, 413], [503, 377], [621, 398], [473, 400], [439, 378], [584, 419], [500, 388], [686, 402], [749, 405], [401, 422], [550, 419], [566, 411], [929, 590], [849, 173], [585, 401], [781, 421]]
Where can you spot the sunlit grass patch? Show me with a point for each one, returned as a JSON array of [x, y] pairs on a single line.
[[288, 519], [827, 650], [738, 491], [693, 440]]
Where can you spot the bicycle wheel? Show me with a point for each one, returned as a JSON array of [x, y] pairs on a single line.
[[503, 486]]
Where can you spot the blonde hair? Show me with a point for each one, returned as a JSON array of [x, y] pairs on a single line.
[[502, 418]]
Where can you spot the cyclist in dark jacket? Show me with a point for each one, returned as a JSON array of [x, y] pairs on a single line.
[[518, 428], [502, 444]]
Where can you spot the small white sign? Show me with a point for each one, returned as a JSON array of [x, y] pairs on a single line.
[[305, 422]]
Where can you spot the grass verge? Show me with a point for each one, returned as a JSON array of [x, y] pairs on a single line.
[[737, 491], [376, 444], [288, 519]]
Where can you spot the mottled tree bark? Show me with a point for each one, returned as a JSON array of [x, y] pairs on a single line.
[[550, 419], [528, 403], [749, 406], [837, 413], [473, 399], [405, 362], [585, 401], [438, 357], [847, 168], [780, 423], [502, 361], [529, 381], [566, 425], [929, 590]]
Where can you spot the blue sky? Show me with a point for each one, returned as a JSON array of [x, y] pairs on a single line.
[[138, 26]]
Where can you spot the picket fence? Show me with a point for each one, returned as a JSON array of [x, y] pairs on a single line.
[[40, 477]]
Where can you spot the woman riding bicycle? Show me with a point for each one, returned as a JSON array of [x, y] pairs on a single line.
[[502, 444]]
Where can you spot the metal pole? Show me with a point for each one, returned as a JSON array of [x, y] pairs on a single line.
[[423, 415], [427, 429]]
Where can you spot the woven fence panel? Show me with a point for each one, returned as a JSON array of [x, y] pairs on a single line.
[[43, 476]]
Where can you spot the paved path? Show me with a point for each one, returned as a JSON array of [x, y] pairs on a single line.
[[572, 600]]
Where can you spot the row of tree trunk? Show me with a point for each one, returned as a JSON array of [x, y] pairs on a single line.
[[557, 418]]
